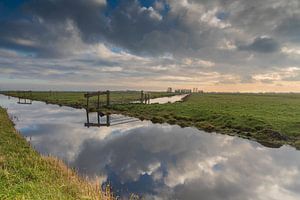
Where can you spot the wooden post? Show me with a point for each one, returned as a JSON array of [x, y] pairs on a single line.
[[142, 96], [87, 110], [87, 103], [98, 118], [98, 102], [87, 117], [107, 98], [146, 98], [87, 124], [98, 107], [108, 120]]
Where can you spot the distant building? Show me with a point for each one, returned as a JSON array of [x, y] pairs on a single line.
[[169, 90], [183, 91]]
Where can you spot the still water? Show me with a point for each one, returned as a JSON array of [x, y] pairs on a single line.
[[171, 99], [160, 161]]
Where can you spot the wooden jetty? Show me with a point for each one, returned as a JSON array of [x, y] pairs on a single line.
[[99, 123], [25, 97], [88, 95], [145, 97]]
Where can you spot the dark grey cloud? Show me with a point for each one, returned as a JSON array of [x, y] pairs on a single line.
[[143, 30], [50, 28], [87, 16], [262, 45], [289, 29]]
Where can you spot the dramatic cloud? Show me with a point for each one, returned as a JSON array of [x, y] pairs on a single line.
[[206, 43], [262, 45]]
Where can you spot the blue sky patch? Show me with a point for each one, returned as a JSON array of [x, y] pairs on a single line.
[[222, 15], [8, 8], [147, 3]]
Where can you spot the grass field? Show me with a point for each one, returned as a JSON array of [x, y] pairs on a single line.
[[268, 118], [24, 174], [272, 119]]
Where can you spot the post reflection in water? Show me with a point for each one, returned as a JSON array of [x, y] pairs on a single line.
[[160, 161], [24, 101], [104, 119], [99, 123]]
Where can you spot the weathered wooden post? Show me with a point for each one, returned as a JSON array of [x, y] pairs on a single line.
[[30, 100], [147, 97], [142, 96], [108, 120], [107, 98], [87, 109], [98, 107], [98, 102]]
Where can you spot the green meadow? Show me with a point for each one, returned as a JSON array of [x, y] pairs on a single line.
[[268, 118]]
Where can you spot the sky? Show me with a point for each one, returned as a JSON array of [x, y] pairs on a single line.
[[214, 45]]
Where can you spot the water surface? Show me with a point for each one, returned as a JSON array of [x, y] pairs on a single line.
[[160, 161], [164, 100], [171, 99]]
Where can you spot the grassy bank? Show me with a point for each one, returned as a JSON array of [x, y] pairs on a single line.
[[271, 119], [24, 174]]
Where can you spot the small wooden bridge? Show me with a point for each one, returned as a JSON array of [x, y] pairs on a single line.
[[25, 97], [145, 98], [98, 111]]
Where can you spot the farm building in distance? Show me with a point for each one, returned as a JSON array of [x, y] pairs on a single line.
[[184, 91]]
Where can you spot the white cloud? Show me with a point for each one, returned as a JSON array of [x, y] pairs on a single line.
[[210, 18], [152, 13], [278, 75], [292, 51]]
